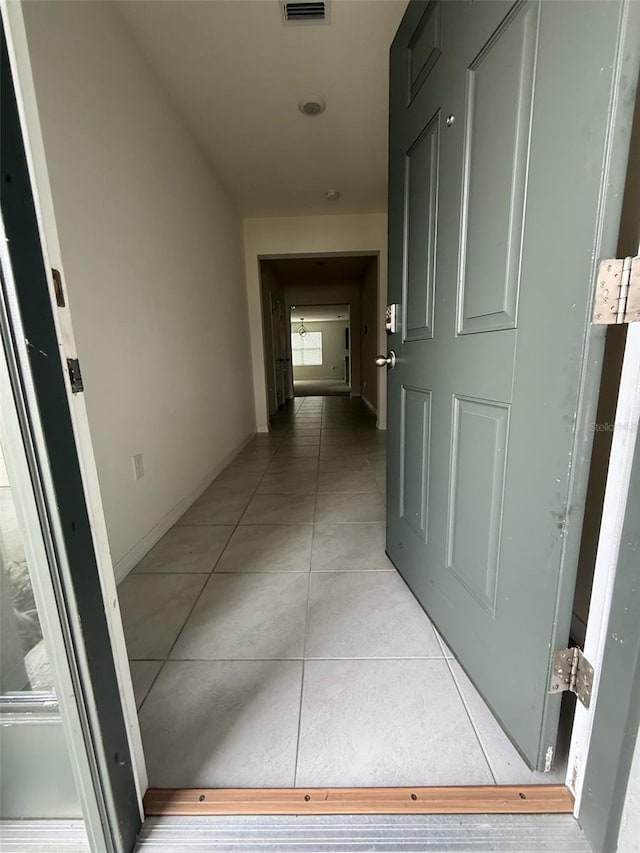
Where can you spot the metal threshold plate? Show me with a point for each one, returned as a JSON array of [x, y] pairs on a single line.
[[325, 834]]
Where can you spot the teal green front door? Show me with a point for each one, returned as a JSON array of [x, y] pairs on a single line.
[[508, 148]]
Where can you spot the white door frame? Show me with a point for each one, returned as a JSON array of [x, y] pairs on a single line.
[[627, 416], [613, 514]]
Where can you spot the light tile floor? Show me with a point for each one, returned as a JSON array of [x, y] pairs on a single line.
[[273, 644]]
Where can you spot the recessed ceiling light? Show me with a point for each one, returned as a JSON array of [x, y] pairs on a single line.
[[332, 195], [312, 106]]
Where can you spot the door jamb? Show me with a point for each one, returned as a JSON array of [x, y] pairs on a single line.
[[616, 492], [613, 515], [381, 418]]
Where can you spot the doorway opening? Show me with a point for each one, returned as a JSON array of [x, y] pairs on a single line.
[[335, 297], [282, 448], [293, 626], [320, 349], [272, 637]]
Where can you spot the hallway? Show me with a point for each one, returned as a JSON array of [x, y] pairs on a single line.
[[320, 388], [273, 644]]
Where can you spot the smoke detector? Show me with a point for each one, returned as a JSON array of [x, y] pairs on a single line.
[[312, 106]]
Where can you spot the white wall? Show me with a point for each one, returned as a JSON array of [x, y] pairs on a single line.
[[311, 236], [333, 352], [152, 255]]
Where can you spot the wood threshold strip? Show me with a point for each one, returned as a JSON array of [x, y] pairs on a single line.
[[466, 799]]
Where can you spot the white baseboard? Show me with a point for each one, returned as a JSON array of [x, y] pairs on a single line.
[[131, 559], [369, 405]]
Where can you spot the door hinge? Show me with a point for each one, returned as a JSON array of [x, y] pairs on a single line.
[[617, 292], [75, 376], [572, 671]]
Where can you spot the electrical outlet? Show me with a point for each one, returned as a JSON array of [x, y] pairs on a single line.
[[138, 466]]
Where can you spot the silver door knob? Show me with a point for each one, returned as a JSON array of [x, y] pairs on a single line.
[[387, 360]]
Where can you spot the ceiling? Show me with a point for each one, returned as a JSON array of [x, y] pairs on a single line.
[[236, 71], [320, 313], [295, 272]]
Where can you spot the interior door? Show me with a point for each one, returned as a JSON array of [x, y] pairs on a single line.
[[277, 323], [283, 330], [270, 354], [504, 119]]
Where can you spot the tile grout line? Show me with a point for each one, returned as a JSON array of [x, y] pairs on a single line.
[[277, 446], [434, 658], [466, 708], [304, 641], [280, 571], [275, 523], [447, 660], [204, 586], [149, 689]]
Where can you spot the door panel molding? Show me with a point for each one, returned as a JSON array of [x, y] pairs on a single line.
[[425, 47], [476, 495], [498, 112], [422, 164], [415, 456]]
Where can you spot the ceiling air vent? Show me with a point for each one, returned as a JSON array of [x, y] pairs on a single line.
[[310, 11]]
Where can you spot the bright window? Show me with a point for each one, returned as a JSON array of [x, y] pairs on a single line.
[[306, 350]]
